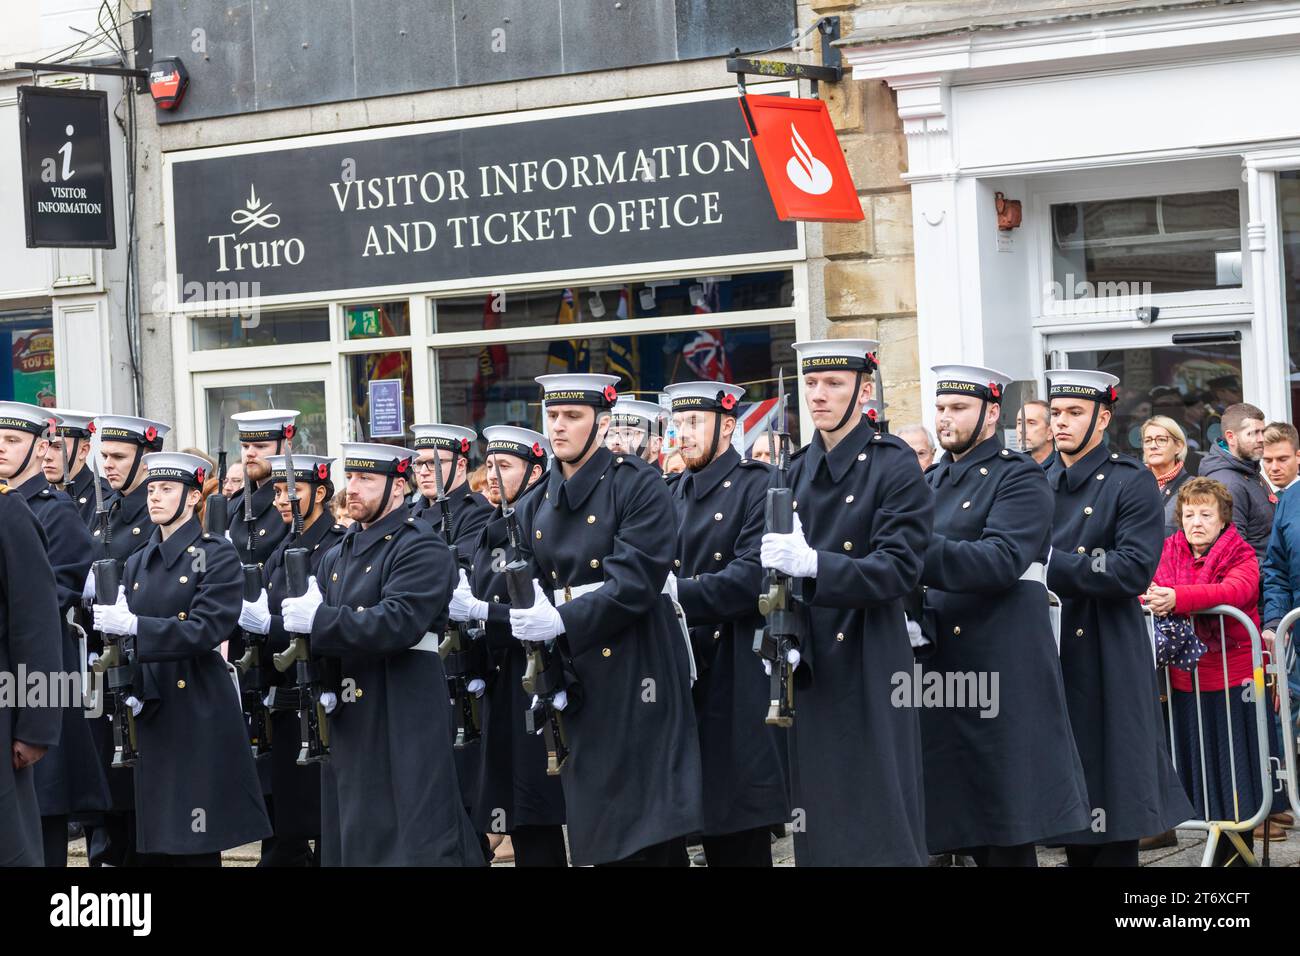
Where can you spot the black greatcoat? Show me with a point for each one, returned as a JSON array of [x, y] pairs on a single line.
[[296, 790], [196, 789], [269, 529], [82, 492], [855, 758], [70, 779], [632, 779], [1106, 543], [30, 635], [719, 533], [1014, 776], [390, 796], [512, 776]]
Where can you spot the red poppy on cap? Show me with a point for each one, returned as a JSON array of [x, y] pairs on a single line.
[[1112, 394], [91, 428], [289, 431], [322, 471], [611, 394], [402, 464], [871, 414], [199, 474], [537, 450], [464, 446], [150, 434], [727, 400], [995, 390]]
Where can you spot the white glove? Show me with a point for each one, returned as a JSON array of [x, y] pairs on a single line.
[[329, 700], [136, 705], [559, 702], [789, 553], [791, 655], [476, 686], [115, 618], [541, 622], [672, 587], [464, 605], [914, 635], [88, 589], [256, 616], [298, 613]]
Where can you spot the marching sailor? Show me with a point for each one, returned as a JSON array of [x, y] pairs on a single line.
[[392, 797], [855, 757], [75, 431], [601, 531], [196, 789], [513, 792], [634, 429], [987, 613], [261, 435], [1106, 540], [720, 502], [449, 447]]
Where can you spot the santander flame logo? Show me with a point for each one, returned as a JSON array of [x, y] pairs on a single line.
[[805, 170]]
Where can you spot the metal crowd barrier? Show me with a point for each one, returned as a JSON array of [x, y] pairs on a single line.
[[1215, 830], [1282, 665]]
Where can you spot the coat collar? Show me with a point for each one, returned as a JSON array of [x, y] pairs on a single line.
[[700, 484], [578, 489], [174, 547], [840, 459], [365, 538], [1077, 475], [990, 447], [132, 506], [31, 488], [314, 535]]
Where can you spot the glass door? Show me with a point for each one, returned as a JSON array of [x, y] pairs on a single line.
[[1189, 374], [218, 395]]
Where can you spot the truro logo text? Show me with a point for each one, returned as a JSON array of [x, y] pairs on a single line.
[[77, 909]]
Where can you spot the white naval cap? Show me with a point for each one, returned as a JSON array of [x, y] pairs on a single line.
[[521, 442], [706, 396], [311, 468], [136, 431], [832, 355], [986, 384], [176, 466], [74, 423], [19, 416], [452, 438], [579, 388], [634, 413], [1082, 383], [265, 424], [377, 458]]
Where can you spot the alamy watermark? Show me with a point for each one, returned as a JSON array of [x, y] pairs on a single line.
[[947, 689]]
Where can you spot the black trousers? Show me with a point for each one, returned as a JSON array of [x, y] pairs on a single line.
[[539, 846], [1120, 853], [54, 837], [668, 853], [291, 851], [744, 848], [1023, 855], [112, 841]]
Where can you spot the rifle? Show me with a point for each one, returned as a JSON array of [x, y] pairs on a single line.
[[780, 632], [250, 664], [313, 725], [115, 663], [216, 514], [457, 641], [544, 674]]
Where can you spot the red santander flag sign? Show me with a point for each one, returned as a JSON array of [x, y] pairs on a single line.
[[801, 160]]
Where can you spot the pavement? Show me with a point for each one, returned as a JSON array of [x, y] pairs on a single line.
[[1191, 845]]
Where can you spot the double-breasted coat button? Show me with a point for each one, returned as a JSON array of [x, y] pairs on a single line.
[[717, 516], [619, 459], [848, 500], [591, 519], [717, 635], [496, 599], [677, 562], [1079, 633], [595, 563], [358, 694], [1100, 477], [1081, 549], [185, 579], [367, 570], [182, 616], [135, 530], [96, 534], [1005, 453], [727, 483], [1088, 510], [965, 504], [81, 500], [361, 607], [180, 684], [190, 549], [717, 555], [261, 532], [1114, 456], [554, 575], [605, 652], [956, 631], [388, 537], [136, 586], [862, 456], [839, 636], [848, 545], [334, 576], [538, 534]]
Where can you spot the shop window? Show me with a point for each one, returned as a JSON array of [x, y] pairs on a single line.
[[1288, 196], [612, 301], [381, 405], [1149, 245], [312, 437], [278, 327], [28, 337], [377, 320], [493, 384]]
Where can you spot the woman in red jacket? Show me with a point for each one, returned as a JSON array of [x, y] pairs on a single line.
[[1204, 564]]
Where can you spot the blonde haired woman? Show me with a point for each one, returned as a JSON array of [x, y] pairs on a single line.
[[1164, 452]]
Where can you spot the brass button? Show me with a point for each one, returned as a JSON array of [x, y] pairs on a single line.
[[554, 576], [717, 516], [135, 530], [794, 504], [984, 471], [388, 537], [605, 652], [848, 545], [1088, 510], [358, 694], [367, 570], [1114, 456], [182, 615], [334, 576], [1079, 633], [839, 636], [956, 632], [595, 563], [1081, 549], [496, 599], [716, 635], [260, 532], [848, 500], [965, 504], [862, 457], [190, 549], [619, 459], [136, 586], [180, 684], [185, 579], [1100, 477], [361, 607], [547, 496], [96, 533], [677, 562], [727, 483], [591, 519], [538, 534], [717, 555], [81, 500]]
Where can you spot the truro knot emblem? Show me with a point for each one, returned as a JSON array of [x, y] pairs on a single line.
[[254, 213], [805, 170]]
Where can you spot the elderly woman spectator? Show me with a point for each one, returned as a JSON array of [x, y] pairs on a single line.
[[1208, 562], [918, 436], [1164, 452]]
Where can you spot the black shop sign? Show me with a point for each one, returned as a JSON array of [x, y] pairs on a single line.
[[67, 167], [559, 197]]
